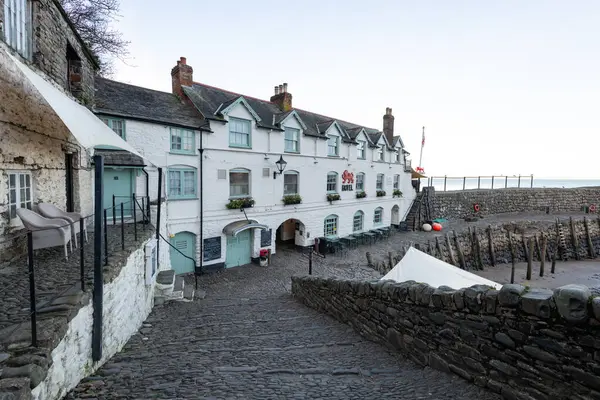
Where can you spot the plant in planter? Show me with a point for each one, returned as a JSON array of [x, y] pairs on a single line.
[[333, 197], [380, 193], [397, 193], [361, 195], [245, 202], [292, 199]]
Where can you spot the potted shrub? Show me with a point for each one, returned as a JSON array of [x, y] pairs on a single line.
[[333, 197], [245, 202], [361, 195], [380, 193], [397, 193], [292, 199]]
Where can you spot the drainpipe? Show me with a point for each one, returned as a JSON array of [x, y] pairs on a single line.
[[201, 151], [147, 194]]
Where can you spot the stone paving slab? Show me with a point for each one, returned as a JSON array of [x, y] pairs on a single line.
[[249, 339]]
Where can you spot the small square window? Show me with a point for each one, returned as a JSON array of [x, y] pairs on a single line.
[[182, 183], [239, 133], [182, 141], [239, 183], [20, 194]]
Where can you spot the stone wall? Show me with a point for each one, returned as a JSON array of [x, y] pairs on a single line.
[[128, 301], [523, 343], [459, 204], [474, 243]]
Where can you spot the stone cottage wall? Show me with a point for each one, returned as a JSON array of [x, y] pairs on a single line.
[[459, 204], [523, 343]]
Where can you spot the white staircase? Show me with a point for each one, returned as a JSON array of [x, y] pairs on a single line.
[[170, 287]]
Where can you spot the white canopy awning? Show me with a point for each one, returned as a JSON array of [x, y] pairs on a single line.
[[234, 228], [88, 129], [421, 267]]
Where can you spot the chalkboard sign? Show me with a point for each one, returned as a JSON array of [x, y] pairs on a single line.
[[212, 248], [265, 238]]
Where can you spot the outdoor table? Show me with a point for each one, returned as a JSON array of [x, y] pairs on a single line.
[[360, 238], [370, 236], [349, 241]]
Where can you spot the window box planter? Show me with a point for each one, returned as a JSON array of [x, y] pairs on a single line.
[[361, 195], [333, 197], [235, 204], [292, 199], [397, 193], [381, 193]]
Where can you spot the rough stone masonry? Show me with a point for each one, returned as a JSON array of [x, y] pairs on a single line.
[[522, 343]]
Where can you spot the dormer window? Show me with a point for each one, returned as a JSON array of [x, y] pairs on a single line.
[[398, 157], [380, 154], [361, 150], [17, 17], [239, 133], [333, 144], [292, 140]]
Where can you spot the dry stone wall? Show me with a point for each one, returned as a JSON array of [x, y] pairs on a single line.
[[519, 342], [459, 204]]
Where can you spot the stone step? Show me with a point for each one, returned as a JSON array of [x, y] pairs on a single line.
[[179, 283]]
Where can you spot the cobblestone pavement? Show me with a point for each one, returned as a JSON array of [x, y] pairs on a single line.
[[53, 274], [249, 339]]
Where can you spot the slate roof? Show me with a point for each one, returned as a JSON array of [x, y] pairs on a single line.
[[128, 101], [208, 99], [120, 158]]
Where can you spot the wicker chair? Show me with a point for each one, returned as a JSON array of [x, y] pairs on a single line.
[[46, 232]]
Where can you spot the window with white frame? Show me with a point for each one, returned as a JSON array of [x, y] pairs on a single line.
[[19, 192], [333, 144], [239, 133], [290, 183], [361, 150], [332, 178], [398, 157], [292, 140], [379, 182], [358, 221], [117, 125], [239, 183], [360, 182], [182, 141], [380, 154], [378, 216], [396, 181], [17, 33], [330, 226], [182, 183]]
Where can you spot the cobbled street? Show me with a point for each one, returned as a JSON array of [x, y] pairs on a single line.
[[249, 339]]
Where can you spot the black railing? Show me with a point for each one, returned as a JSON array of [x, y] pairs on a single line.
[[57, 271], [452, 183]]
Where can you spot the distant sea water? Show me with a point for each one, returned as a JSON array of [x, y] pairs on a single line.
[[509, 182]]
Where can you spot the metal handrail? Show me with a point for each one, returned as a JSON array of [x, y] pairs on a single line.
[[431, 179]]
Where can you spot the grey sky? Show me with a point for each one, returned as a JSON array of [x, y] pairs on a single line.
[[503, 87]]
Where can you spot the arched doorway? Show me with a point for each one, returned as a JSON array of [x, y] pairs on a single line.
[[396, 215], [185, 243], [290, 233], [240, 241]]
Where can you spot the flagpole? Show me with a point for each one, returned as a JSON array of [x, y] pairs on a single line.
[[422, 144]]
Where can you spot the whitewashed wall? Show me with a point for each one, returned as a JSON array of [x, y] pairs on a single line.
[[127, 303]]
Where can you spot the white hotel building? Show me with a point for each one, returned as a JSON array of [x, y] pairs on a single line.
[[241, 138]]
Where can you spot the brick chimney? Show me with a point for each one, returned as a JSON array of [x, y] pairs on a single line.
[[388, 125], [181, 75], [282, 98]]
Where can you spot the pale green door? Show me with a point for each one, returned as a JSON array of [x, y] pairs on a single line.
[[185, 242], [118, 182], [239, 249]]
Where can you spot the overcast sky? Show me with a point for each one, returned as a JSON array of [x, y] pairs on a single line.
[[502, 87]]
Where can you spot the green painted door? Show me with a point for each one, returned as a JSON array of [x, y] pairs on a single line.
[[118, 182], [239, 249], [185, 242]]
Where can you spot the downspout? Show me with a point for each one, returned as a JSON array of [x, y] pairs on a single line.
[[201, 150], [147, 202]]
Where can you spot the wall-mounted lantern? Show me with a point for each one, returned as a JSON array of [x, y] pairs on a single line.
[[280, 164]]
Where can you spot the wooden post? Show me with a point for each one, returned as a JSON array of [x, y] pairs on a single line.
[[477, 244], [461, 256], [543, 260], [574, 238], [530, 258], [554, 255], [539, 250], [590, 243], [369, 259], [439, 248], [491, 247], [391, 260], [429, 249], [513, 256], [450, 250], [525, 250]]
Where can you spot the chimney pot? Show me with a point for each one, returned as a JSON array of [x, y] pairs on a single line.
[[284, 87], [276, 90], [183, 60], [280, 88]]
